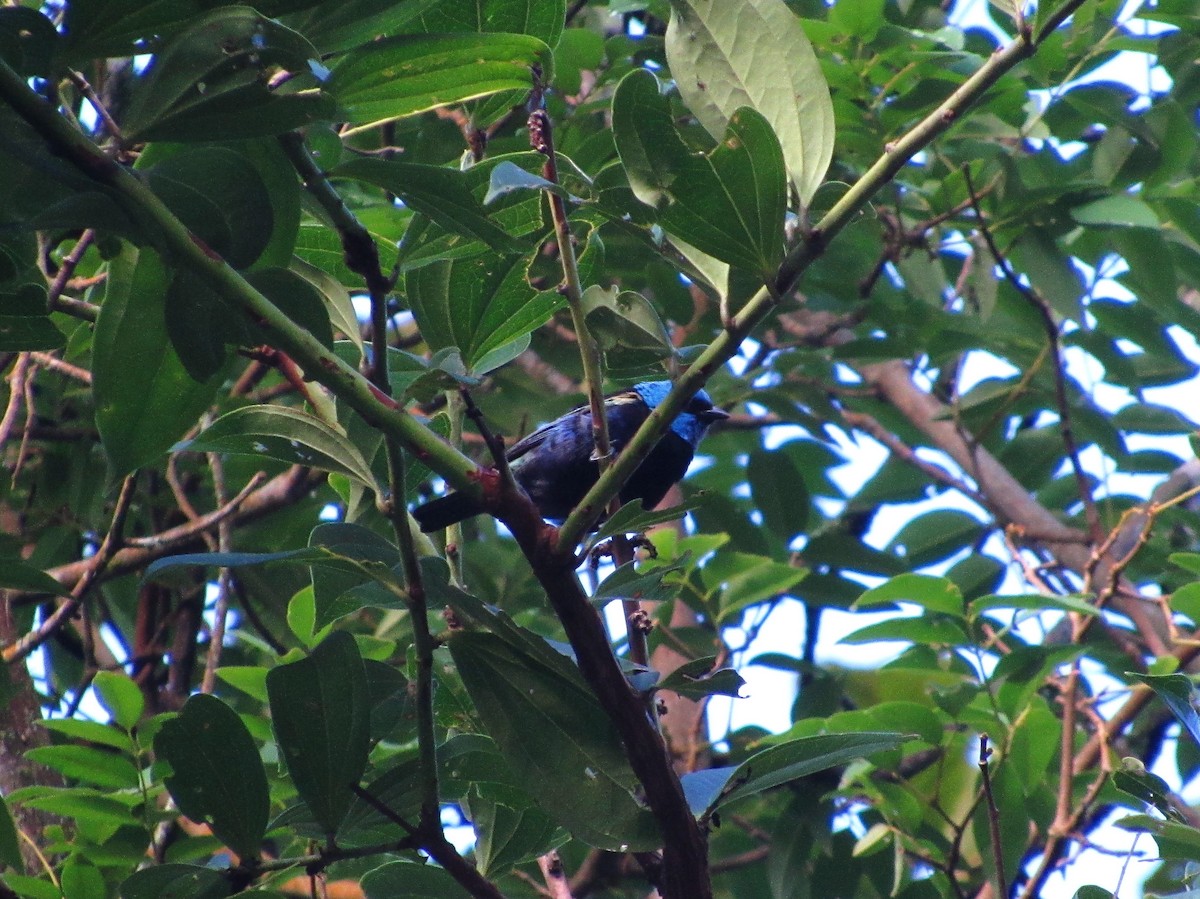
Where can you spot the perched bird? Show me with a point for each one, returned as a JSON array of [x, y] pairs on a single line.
[[554, 464]]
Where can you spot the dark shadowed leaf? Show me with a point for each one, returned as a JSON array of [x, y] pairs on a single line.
[[145, 399], [320, 709], [411, 880], [557, 739], [10, 852], [696, 679], [218, 776], [209, 81], [173, 881], [16, 574]]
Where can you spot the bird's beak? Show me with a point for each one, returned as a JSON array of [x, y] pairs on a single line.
[[713, 415]]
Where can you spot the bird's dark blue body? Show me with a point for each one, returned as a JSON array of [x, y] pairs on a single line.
[[554, 464]]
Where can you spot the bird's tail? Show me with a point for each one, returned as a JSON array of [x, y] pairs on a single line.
[[445, 511]]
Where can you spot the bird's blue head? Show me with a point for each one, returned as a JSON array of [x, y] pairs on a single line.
[[697, 415]]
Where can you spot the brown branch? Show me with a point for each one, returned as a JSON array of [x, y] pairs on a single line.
[[95, 568], [1054, 340], [252, 503], [434, 843]]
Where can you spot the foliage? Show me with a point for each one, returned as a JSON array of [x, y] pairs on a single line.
[[855, 220]]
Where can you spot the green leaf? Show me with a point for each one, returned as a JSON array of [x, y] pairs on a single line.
[[218, 777], [320, 710], [94, 766], [1174, 840], [932, 630], [626, 326], [28, 41], [507, 176], [1180, 696], [407, 74], [696, 679], [221, 197], [730, 203], [632, 518], [19, 333], [507, 836], [628, 582], [210, 81], [10, 849], [366, 579], [933, 536], [297, 298], [557, 739], [1120, 210], [145, 399], [543, 19], [283, 433], [17, 574], [708, 790], [1081, 604], [725, 56], [121, 697], [483, 305], [937, 594], [411, 880], [173, 881], [779, 493], [336, 299], [443, 194], [741, 580], [88, 731]]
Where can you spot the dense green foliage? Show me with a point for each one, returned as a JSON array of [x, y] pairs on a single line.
[[855, 220]]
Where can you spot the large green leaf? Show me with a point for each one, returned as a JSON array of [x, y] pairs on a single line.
[[542, 19], [17, 574], [174, 881], [729, 203], [557, 739], [709, 789], [218, 777], [283, 433], [221, 197], [484, 305], [320, 709], [754, 53], [209, 82], [370, 581], [145, 399], [403, 75]]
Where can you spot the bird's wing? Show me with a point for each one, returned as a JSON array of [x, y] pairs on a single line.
[[536, 438]]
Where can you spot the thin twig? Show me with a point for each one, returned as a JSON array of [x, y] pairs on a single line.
[[216, 640], [985, 753], [96, 564]]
